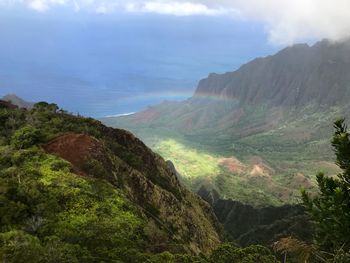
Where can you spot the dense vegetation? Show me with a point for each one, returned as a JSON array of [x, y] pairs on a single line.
[[51, 214], [330, 209], [48, 213]]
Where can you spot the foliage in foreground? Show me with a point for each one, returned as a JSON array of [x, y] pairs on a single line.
[[329, 210], [49, 214]]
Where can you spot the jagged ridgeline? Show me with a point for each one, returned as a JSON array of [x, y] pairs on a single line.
[[257, 134], [74, 190]]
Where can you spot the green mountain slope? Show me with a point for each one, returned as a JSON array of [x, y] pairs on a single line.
[[73, 190]]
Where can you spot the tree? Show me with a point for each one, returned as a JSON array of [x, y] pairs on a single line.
[[26, 137], [330, 209], [227, 253], [44, 106], [18, 246]]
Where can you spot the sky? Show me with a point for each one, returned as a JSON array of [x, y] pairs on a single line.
[[108, 57]]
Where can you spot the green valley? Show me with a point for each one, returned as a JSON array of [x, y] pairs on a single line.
[[264, 158]]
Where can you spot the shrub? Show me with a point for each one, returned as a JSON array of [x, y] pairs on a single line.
[[44, 106], [227, 253], [18, 246], [26, 137], [330, 209]]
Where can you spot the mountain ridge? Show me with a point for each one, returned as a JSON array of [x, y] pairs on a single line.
[[304, 73]]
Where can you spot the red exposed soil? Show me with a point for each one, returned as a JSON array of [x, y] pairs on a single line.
[[259, 167], [255, 167], [75, 148], [232, 165], [258, 170]]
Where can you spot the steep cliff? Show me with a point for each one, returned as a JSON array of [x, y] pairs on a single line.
[[295, 76]]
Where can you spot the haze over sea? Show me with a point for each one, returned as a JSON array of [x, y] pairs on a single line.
[[99, 65]]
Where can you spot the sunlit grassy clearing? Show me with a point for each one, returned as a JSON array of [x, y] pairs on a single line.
[[188, 161]]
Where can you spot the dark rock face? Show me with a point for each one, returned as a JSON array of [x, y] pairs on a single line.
[[294, 76], [210, 196], [172, 170], [248, 225]]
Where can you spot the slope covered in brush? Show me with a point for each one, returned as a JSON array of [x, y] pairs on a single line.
[[73, 190]]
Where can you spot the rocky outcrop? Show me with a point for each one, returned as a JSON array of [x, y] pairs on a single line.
[[211, 196], [172, 169]]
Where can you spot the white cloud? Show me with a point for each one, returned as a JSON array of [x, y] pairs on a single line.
[[38, 5], [286, 21], [43, 5], [289, 21], [175, 8], [102, 9], [76, 6], [166, 7]]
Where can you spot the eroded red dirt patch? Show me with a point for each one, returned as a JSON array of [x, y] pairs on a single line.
[[232, 164], [259, 167], [76, 149]]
